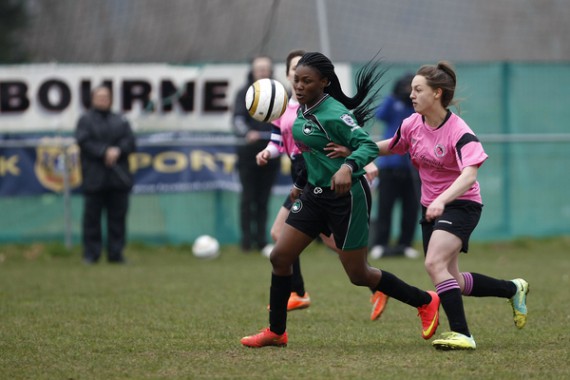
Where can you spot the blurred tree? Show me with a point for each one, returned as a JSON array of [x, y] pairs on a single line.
[[13, 19]]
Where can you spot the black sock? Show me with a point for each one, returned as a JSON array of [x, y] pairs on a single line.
[[453, 306], [298, 285], [278, 297], [393, 287], [479, 285]]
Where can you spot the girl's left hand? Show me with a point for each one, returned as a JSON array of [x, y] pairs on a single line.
[[336, 150], [341, 181]]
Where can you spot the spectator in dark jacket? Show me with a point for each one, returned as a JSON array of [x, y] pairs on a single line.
[[105, 140], [399, 180], [256, 181]]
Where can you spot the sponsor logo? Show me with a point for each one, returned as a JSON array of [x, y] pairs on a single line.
[[317, 190]]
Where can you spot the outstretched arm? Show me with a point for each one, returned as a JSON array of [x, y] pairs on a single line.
[[383, 147]]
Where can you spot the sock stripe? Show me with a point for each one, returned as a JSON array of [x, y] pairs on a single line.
[[446, 285], [468, 278]]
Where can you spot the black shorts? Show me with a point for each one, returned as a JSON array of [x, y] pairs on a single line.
[[320, 210], [459, 218]]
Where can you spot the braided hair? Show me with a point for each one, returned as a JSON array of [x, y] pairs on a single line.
[[363, 103]]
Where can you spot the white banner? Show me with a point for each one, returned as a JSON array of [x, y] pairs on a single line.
[[155, 97]]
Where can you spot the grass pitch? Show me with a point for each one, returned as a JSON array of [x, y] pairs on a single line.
[[168, 315]]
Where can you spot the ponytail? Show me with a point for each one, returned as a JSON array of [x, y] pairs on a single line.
[[368, 77]]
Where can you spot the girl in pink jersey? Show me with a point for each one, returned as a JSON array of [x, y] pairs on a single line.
[[448, 156]]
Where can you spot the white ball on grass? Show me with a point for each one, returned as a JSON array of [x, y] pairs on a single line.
[[206, 247], [266, 251]]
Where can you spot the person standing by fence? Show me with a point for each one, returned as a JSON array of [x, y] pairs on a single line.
[[256, 181], [105, 140], [398, 179]]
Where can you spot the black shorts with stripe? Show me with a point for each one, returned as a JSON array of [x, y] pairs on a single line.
[[320, 210], [459, 218]]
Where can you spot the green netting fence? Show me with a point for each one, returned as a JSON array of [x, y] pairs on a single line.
[[519, 110]]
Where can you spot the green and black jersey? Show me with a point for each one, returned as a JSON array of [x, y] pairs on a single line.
[[325, 122]]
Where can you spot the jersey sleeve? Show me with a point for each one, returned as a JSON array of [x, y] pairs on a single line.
[[364, 150], [275, 145], [469, 151], [400, 141]]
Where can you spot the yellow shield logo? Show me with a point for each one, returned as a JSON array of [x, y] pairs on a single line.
[[55, 160]]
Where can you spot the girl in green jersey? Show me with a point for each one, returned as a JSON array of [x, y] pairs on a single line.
[[337, 197]]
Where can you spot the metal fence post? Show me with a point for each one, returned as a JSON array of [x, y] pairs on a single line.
[[64, 165]]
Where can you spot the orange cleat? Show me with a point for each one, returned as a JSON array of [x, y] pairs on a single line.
[[429, 314], [297, 302], [378, 301], [265, 338]]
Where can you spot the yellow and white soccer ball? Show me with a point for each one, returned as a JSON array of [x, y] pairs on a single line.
[[266, 100], [206, 247]]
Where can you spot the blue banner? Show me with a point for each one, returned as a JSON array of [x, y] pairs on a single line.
[[47, 167]]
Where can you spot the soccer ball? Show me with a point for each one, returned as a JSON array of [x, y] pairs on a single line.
[[206, 247], [266, 100]]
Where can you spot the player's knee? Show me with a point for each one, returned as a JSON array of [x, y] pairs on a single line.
[[279, 261], [357, 278], [433, 265]]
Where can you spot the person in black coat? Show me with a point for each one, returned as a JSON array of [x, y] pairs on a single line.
[[256, 181], [105, 140]]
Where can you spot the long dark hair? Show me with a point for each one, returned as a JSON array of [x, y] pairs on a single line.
[[368, 77]]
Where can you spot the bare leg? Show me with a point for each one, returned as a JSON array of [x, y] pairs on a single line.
[[356, 266], [289, 246], [329, 242], [278, 223]]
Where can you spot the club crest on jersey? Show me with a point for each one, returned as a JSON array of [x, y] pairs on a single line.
[[439, 150], [297, 206], [349, 120], [308, 128]]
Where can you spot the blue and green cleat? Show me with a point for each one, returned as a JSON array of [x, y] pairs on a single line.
[[518, 302]]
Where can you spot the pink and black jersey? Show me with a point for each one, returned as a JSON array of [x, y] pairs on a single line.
[[440, 154], [282, 136]]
